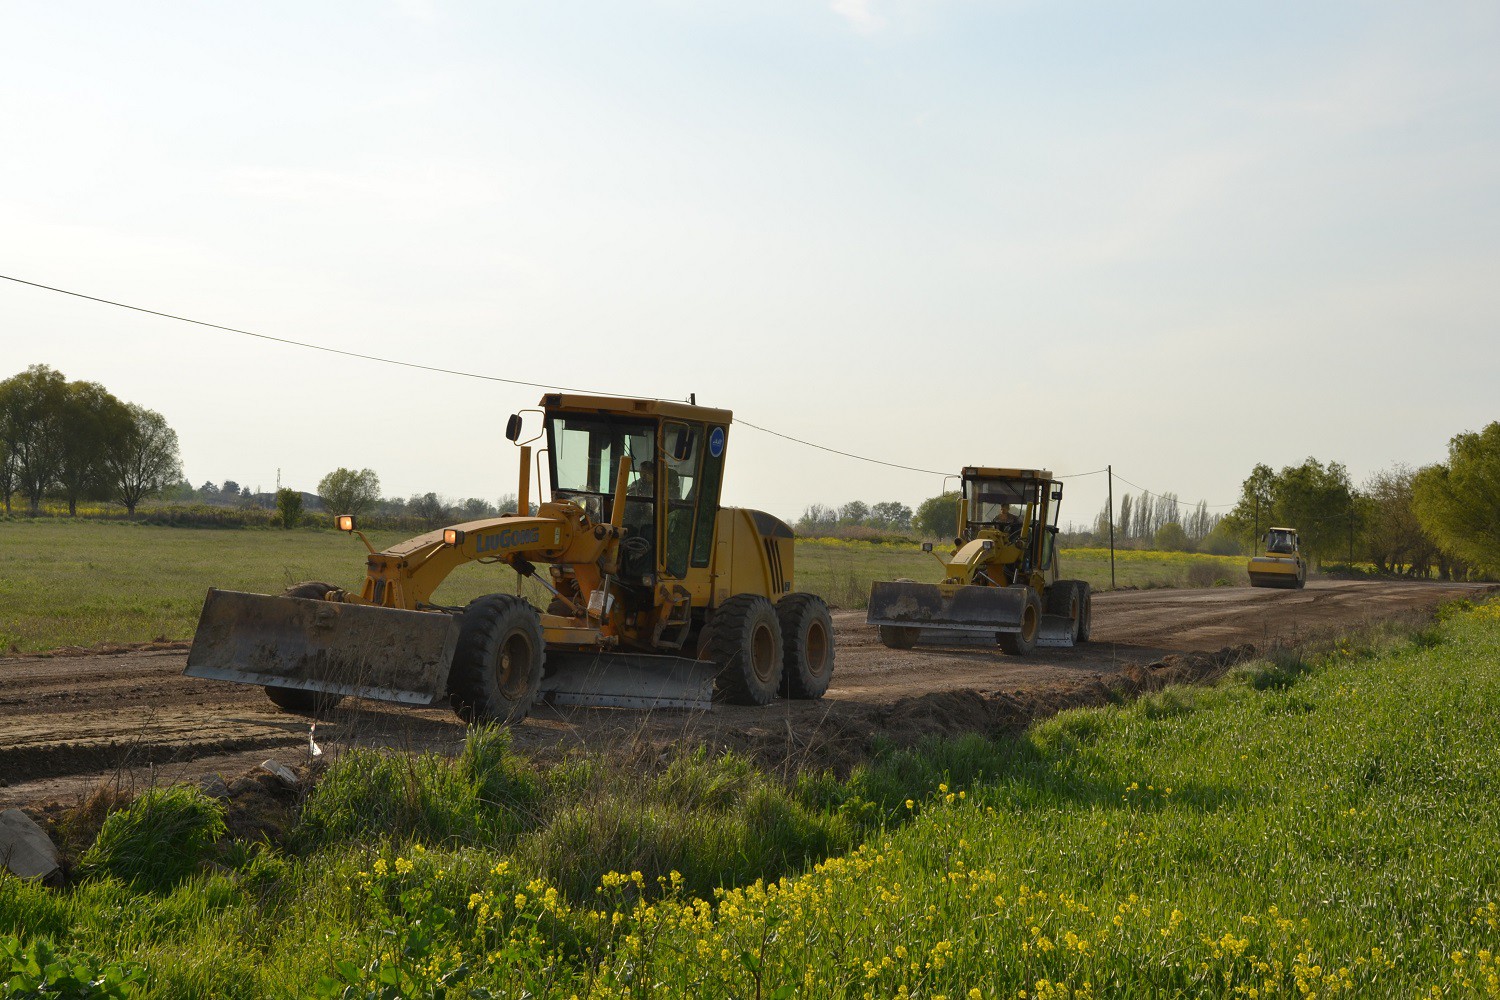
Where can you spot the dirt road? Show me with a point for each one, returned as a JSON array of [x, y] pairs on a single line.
[[66, 723]]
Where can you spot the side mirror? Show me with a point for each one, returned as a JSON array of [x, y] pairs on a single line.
[[683, 446], [513, 427]]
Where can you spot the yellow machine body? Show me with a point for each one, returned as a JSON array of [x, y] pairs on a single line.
[[1281, 563], [637, 554], [1001, 580]]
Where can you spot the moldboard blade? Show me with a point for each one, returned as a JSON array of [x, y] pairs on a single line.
[[351, 649], [628, 680], [939, 606]]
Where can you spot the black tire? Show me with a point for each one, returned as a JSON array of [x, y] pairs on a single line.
[[744, 639], [296, 699], [1065, 600], [1023, 642], [497, 665], [807, 641], [1086, 611], [900, 636]]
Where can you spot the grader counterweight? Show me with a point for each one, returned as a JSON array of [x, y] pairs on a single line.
[[660, 597]]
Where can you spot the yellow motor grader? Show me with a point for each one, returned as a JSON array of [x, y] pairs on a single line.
[[1001, 582], [659, 596], [1281, 565]]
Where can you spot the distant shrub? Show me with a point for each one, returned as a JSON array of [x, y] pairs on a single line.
[[1171, 537], [158, 840], [1221, 542], [288, 507], [1208, 574]]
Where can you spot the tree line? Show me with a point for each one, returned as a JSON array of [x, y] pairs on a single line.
[[888, 515], [78, 442]]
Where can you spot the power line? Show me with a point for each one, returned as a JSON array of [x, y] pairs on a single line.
[[1210, 506], [835, 451], [299, 343], [464, 374], [430, 368]]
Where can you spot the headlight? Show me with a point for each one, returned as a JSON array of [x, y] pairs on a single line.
[[453, 536], [345, 522]]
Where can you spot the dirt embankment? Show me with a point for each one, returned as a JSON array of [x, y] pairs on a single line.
[[129, 718]]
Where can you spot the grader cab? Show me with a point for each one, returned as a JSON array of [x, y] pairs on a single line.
[[1001, 582], [659, 597]]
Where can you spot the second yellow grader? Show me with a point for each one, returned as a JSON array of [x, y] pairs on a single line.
[[1001, 582]]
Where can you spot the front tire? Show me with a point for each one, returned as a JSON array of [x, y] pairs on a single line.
[[497, 665], [744, 639], [899, 636], [1022, 643], [299, 700], [807, 638], [1065, 600], [1085, 611]]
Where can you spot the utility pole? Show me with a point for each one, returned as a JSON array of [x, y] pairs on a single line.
[[1111, 469]]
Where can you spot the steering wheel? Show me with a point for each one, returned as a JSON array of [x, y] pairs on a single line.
[[635, 545]]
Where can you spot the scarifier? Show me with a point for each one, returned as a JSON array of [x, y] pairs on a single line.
[[1281, 565], [1000, 584], [660, 597]]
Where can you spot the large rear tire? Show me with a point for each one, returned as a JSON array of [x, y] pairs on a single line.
[[1022, 643], [744, 639], [807, 638], [296, 699], [497, 665]]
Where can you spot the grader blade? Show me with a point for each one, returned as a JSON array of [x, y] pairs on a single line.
[[942, 610], [628, 680], [349, 649]]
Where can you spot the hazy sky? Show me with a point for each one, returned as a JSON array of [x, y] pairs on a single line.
[[1179, 237]]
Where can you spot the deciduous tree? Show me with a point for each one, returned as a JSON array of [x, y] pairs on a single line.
[[345, 491], [1456, 503], [147, 461], [938, 516], [31, 407], [94, 425]]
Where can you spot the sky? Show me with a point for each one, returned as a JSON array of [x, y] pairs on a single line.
[[1175, 238]]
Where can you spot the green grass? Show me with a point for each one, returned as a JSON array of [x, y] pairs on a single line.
[[1312, 826], [81, 583]]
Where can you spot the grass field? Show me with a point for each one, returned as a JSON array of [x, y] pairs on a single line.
[[66, 583], [1310, 827]]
